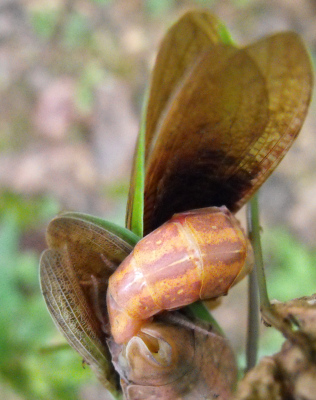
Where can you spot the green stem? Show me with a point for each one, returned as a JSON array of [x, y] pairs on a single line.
[[253, 322], [254, 234], [256, 278]]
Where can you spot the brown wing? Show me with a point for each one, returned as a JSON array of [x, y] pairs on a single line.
[[185, 41], [79, 249], [285, 64], [228, 126], [181, 47]]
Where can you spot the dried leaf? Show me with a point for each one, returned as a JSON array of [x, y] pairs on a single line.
[[301, 311], [291, 373]]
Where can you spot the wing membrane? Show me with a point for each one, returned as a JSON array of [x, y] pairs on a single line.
[[183, 44], [74, 272], [202, 138], [285, 64], [229, 124], [70, 311]]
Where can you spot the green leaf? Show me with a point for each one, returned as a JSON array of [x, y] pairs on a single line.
[[136, 195], [225, 34], [199, 310]]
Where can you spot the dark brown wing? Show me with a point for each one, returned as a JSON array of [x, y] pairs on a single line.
[[228, 126], [180, 49]]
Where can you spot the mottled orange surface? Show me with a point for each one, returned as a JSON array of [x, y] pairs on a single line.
[[196, 255]]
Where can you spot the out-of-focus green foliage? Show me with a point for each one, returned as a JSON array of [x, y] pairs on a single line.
[[44, 21], [77, 31], [159, 7], [162, 7], [242, 3], [290, 264], [27, 212], [25, 325], [90, 77], [102, 1]]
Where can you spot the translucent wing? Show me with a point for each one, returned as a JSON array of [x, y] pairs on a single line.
[[194, 33], [71, 313], [283, 61], [230, 122], [183, 44], [74, 274]]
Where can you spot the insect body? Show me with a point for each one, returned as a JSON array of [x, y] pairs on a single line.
[[196, 255]]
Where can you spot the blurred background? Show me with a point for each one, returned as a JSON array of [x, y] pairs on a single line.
[[72, 78]]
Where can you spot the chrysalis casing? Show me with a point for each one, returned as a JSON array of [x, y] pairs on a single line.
[[196, 255]]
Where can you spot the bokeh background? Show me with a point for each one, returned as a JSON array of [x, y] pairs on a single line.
[[72, 78]]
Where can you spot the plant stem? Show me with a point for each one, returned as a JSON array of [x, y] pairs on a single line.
[[253, 322], [256, 280], [254, 234]]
